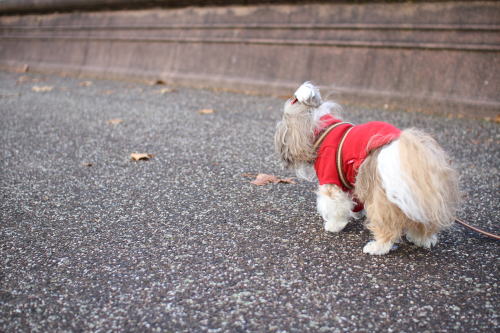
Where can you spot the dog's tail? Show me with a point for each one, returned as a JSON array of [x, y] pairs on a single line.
[[418, 178]]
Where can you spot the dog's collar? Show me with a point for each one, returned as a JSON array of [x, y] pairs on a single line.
[[338, 156]]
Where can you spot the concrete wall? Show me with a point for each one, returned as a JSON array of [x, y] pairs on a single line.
[[432, 56]]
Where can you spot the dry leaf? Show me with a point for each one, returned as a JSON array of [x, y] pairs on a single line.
[[85, 84], [24, 79], [497, 118], [115, 121], [206, 111], [165, 91], [157, 82], [286, 180], [141, 156], [21, 68], [263, 179], [42, 88], [249, 175]]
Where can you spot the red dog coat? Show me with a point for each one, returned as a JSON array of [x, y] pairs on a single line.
[[360, 141]]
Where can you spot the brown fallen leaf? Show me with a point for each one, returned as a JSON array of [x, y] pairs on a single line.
[[115, 121], [263, 179], [24, 79], [85, 84], [497, 118], [165, 91], [249, 175], [20, 68], [42, 88], [141, 156], [206, 111], [156, 82]]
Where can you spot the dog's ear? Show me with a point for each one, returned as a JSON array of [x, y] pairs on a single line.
[[280, 145], [293, 139]]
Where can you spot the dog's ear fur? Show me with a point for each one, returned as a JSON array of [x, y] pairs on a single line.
[[294, 135]]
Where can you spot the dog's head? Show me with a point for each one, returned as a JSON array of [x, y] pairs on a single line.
[[307, 94], [295, 133]]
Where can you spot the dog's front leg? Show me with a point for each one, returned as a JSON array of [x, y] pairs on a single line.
[[335, 206]]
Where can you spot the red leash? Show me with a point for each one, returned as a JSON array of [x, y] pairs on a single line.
[[485, 233]]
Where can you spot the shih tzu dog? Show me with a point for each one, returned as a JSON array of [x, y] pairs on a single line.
[[402, 178]]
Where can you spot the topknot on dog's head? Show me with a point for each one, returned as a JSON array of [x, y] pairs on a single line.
[[308, 94]]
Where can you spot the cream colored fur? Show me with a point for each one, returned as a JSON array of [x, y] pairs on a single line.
[[294, 135], [429, 198], [433, 181]]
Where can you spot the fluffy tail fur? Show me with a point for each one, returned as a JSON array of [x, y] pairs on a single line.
[[423, 184]]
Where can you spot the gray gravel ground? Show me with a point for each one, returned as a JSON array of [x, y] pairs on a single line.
[[183, 242]]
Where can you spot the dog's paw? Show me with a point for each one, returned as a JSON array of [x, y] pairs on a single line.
[[377, 248], [334, 226], [425, 242]]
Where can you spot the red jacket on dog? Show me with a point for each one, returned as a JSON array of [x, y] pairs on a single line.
[[360, 141]]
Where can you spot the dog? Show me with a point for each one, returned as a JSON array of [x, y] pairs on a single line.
[[402, 180]]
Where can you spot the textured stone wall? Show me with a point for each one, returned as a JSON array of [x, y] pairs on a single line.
[[432, 56]]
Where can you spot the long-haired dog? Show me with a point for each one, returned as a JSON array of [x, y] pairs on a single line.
[[403, 178]]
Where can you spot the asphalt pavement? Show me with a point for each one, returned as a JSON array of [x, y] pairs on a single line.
[[92, 241]]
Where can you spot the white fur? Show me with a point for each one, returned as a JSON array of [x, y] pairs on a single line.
[[306, 171], [335, 207], [393, 181], [377, 248], [425, 242], [326, 108], [308, 94]]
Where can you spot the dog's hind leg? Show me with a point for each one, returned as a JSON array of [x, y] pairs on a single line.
[[385, 221], [334, 206], [385, 236], [422, 235]]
